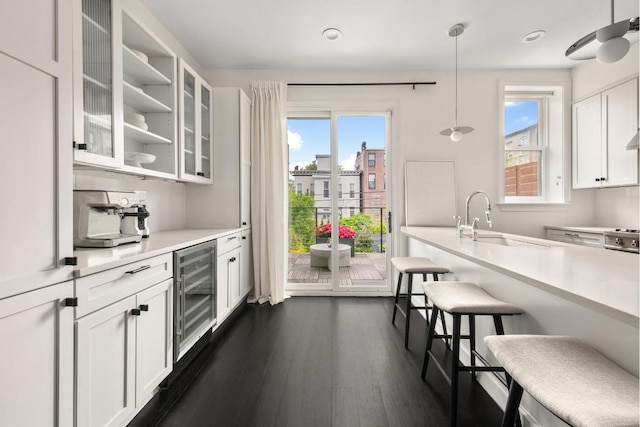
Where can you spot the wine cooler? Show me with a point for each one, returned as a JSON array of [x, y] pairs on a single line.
[[195, 295]]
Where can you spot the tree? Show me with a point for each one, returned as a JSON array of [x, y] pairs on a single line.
[[313, 166], [301, 221]]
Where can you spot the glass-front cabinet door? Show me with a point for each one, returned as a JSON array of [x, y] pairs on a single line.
[[96, 140], [195, 127]]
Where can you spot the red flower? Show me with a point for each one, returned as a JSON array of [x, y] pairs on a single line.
[[344, 232]]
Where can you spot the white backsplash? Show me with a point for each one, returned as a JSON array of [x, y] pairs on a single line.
[[165, 200], [618, 207]]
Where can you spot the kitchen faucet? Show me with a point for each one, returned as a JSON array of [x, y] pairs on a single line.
[[474, 224]]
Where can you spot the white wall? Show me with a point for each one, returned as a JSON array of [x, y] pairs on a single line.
[[418, 117]]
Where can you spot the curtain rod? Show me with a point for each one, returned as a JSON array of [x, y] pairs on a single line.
[[414, 84]]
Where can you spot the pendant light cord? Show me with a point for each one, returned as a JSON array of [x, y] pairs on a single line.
[[456, 110], [612, 12]]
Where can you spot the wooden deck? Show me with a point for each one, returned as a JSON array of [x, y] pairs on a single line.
[[366, 269]]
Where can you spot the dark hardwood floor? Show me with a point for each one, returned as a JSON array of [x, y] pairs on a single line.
[[319, 361]]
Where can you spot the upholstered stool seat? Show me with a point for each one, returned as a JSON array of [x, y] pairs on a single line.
[[462, 299], [570, 378], [411, 266]]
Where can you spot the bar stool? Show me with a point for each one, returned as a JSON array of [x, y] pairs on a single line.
[[569, 378], [411, 266], [462, 299]]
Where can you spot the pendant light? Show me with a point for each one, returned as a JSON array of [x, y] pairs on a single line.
[[456, 132], [613, 45]]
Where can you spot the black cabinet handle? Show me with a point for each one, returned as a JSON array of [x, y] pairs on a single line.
[[597, 179], [144, 307], [80, 146], [138, 270], [244, 237], [244, 222], [71, 302], [603, 178], [232, 259], [135, 312], [231, 238], [200, 173]]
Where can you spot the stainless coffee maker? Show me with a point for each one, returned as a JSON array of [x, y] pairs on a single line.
[[134, 218], [97, 218]]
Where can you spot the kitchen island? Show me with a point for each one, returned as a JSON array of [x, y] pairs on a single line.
[[564, 289]]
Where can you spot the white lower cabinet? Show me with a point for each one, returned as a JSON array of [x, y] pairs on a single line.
[[228, 275], [124, 351], [37, 358]]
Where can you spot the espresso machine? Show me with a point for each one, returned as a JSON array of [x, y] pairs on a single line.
[[98, 215], [134, 218]]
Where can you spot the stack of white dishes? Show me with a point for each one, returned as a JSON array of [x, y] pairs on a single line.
[[133, 158], [136, 119]]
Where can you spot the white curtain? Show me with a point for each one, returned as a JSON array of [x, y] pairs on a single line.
[[269, 190]]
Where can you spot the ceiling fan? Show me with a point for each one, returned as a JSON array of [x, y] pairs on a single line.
[[609, 41]]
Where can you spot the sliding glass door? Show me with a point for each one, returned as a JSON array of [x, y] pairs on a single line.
[[337, 202]]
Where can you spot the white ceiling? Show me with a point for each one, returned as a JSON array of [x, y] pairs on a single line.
[[382, 35]]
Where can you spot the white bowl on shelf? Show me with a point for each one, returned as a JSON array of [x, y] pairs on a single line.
[[143, 56], [133, 158], [136, 119]]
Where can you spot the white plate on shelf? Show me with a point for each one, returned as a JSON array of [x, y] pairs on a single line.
[[140, 55], [133, 158]]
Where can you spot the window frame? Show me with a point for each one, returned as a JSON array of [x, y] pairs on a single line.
[[369, 181], [555, 129]]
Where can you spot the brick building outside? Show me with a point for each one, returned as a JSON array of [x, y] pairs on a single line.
[[371, 163]]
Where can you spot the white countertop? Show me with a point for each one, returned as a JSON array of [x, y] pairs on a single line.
[[598, 230], [92, 261], [603, 280]]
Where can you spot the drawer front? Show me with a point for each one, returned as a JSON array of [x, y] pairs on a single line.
[[579, 238], [101, 289], [229, 242]]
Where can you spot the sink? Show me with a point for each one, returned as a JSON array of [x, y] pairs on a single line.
[[497, 239]]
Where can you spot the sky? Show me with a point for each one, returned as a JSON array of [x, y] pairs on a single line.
[[308, 137], [519, 115]]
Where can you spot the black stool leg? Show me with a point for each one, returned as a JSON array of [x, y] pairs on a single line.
[[395, 303], [444, 324], [472, 341], [430, 334], [407, 321], [455, 361], [511, 413]]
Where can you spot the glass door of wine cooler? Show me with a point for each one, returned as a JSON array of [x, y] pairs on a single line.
[[195, 294]]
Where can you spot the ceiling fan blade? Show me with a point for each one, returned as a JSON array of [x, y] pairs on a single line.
[[609, 32]]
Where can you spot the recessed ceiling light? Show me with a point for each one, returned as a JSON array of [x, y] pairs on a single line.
[[533, 36], [331, 34]]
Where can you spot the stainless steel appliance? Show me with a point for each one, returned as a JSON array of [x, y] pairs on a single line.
[[195, 295], [97, 217], [626, 240], [134, 219]]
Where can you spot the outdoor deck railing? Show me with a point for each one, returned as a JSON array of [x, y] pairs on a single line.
[[369, 224]]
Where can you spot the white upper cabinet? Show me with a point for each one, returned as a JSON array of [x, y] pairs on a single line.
[[231, 167], [195, 127], [35, 153], [125, 100], [149, 102], [97, 92], [603, 124]]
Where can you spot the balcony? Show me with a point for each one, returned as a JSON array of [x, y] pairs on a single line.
[[368, 259]]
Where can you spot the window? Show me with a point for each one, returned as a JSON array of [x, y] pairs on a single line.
[[352, 191], [325, 192], [299, 188], [339, 191], [372, 181], [533, 149], [311, 189], [352, 211], [372, 160]]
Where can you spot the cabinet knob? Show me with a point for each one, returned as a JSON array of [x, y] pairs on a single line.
[[200, 173], [603, 178], [244, 222], [144, 307], [135, 312], [597, 179]]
